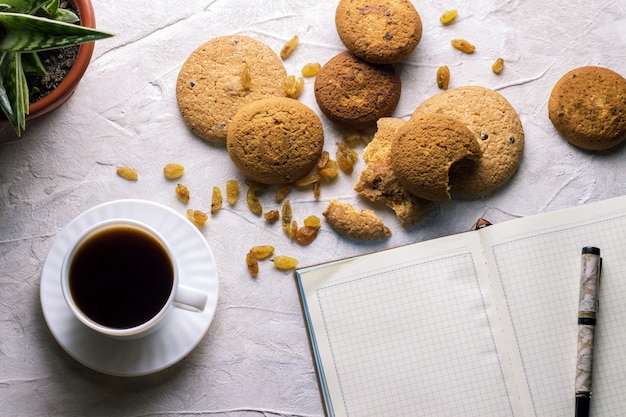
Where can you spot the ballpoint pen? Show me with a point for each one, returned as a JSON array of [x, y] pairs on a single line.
[[591, 265]]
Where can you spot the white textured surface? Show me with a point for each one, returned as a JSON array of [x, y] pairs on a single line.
[[255, 359]]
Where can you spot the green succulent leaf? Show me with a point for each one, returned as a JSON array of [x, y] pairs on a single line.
[[32, 64], [13, 90], [5, 101], [22, 6], [43, 8], [64, 15], [24, 33], [50, 8]]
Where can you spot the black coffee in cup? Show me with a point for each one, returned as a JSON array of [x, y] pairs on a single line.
[[121, 276]]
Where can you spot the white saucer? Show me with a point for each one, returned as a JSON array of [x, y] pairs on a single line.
[[182, 330]]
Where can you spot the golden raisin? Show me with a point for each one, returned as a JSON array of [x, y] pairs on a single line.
[[317, 190], [306, 235], [128, 173], [252, 264], [253, 202], [173, 171], [324, 158], [352, 137], [448, 16], [463, 46], [182, 192], [308, 180], [232, 191], [197, 217], [271, 216], [365, 138], [311, 69], [293, 229], [443, 77], [282, 192], [246, 79], [287, 216], [287, 229], [312, 221], [498, 66], [346, 157], [262, 252], [257, 186], [216, 200], [289, 47], [284, 262], [294, 86], [330, 170]]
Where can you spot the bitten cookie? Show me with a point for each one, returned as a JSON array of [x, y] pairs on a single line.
[[379, 183], [381, 32], [587, 106], [497, 129], [425, 148], [355, 224], [275, 140], [210, 89], [354, 93]]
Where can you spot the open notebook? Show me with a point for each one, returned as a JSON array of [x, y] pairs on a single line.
[[482, 323]]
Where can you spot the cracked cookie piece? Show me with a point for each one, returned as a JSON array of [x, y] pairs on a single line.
[[360, 225], [380, 32], [355, 93], [379, 183], [424, 150], [497, 129], [221, 76], [275, 140], [587, 106]]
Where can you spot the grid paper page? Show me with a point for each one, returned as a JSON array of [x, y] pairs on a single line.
[[541, 290], [414, 341]]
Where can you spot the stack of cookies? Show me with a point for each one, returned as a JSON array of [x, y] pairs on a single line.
[[231, 91], [210, 88], [359, 86], [466, 141]]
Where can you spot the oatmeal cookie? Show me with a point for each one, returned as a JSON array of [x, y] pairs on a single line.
[[210, 89], [497, 129], [355, 93], [380, 32], [425, 148], [587, 106], [275, 140]]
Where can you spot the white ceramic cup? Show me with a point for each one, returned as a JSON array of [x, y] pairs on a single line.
[[178, 296]]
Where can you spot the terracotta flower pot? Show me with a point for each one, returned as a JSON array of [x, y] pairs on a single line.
[[63, 92]]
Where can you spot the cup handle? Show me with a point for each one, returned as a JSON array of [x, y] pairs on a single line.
[[190, 299]]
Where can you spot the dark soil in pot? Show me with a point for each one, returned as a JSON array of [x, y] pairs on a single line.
[[57, 63]]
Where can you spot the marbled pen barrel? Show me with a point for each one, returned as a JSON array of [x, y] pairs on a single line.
[[587, 314]]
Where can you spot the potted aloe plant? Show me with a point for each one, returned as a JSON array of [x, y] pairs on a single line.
[[26, 28]]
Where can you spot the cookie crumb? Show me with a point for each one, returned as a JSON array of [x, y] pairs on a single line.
[[355, 224]]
